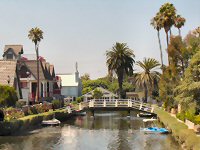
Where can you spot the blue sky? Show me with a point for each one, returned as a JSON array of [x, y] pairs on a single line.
[[82, 30]]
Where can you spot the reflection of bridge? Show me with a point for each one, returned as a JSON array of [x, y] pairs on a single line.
[[115, 104]]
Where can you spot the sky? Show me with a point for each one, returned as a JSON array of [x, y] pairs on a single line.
[[83, 30]]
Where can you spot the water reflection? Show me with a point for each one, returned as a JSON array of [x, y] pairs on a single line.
[[104, 131]]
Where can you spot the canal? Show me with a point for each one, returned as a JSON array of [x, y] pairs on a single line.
[[105, 131]]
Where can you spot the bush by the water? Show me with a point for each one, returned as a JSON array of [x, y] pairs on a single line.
[[56, 104], [8, 96], [13, 114]]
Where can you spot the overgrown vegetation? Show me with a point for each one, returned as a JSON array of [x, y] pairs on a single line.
[[109, 83], [8, 96]]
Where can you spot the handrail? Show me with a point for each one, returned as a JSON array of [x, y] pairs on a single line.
[[129, 103]]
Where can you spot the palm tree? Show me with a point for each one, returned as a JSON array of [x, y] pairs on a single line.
[[148, 76], [120, 59], [36, 35], [168, 13], [157, 23], [179, 22]]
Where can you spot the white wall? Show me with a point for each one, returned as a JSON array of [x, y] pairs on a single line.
[[69, 91]]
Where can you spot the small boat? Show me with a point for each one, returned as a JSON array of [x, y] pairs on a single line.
[[149, 120], [52, 122], [155, 130], [145, 115]]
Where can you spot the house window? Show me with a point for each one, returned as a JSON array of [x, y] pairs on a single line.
[[9, 56]]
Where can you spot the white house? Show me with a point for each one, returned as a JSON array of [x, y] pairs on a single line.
[[106, 94], [71, 85]]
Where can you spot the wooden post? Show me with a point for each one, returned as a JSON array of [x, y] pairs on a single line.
[[92, 103], [116, 103], [152, 109]]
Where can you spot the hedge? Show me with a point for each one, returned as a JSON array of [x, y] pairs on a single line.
[[179, 130], [28, 122]]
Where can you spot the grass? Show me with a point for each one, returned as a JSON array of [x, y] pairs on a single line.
[[179, 130]]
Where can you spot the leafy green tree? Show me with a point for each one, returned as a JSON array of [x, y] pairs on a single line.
[[148, 75], [192, 41], [8, 96], [86, 77], [97, 94], [187, 92], [120, 59], [36, 35], [167, 83], [178, 53]]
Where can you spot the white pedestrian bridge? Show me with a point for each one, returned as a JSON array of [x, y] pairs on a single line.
[[115, 104]]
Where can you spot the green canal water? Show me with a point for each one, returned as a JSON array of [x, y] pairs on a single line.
[[104, 131]]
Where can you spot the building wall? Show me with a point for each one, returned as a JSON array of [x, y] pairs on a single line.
[[71, 91]]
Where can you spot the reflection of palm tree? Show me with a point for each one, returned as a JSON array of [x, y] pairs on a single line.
[[122, 136]]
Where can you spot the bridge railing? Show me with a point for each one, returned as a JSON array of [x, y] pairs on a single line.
[[116, 103]]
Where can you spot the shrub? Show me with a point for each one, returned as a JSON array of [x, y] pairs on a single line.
[[181, 116], [19, 104], [56, 104], [8, 96], [197, 119], [12, 114], [79, 99]]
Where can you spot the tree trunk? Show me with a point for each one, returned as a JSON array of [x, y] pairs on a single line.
[[167, 37], [38, 78], [145, 93], [120, 82], [179, 32], [160, 46]]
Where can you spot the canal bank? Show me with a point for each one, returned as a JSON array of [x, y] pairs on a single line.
[[107, 130], [186, 137], [32, 121]]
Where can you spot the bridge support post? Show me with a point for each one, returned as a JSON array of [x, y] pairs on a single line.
[[116, 103], [130, 103], [140, 106], [129, 112], [104, 103]]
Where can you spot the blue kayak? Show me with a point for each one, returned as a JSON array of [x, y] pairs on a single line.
[[155, 130]]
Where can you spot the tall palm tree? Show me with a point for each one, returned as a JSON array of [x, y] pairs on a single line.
[[178, 23], [120, 60], [148, 75], [157, 23], [36, 35], [167, 13]]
